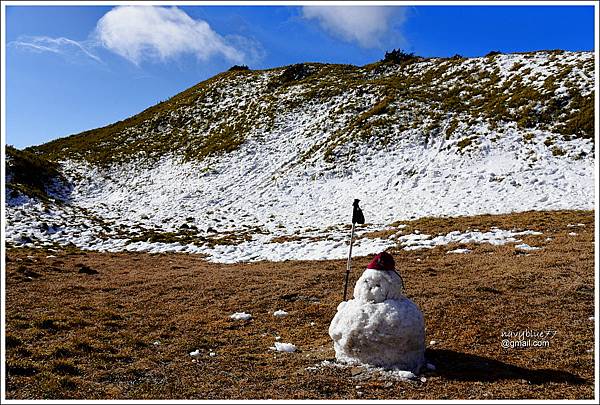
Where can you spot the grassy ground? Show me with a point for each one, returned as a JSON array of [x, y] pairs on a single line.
[[71, 334]]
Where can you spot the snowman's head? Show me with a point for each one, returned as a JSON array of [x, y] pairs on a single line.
[[378, 286]]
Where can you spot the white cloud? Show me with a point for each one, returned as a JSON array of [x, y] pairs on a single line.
[[366, 25], [140, 33], [62, 46], [147, 33]]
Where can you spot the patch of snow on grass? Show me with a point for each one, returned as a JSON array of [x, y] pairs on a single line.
[[398, 374], [525, 246], [284, 347], [459, 251], [240, 316], [495, 237]]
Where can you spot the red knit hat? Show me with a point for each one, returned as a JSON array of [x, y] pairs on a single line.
[[383, 261]]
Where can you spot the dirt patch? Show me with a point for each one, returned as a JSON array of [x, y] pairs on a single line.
[[127, 331]]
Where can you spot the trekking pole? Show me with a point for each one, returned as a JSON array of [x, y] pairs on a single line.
[[349, 264], [357, 217]]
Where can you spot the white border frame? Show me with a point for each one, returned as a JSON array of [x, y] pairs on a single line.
[[293, 3]]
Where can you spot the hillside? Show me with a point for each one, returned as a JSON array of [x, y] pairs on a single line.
[[345, 107], [253, 165]]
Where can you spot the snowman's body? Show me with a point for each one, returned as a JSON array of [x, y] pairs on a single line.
[[380, 326]]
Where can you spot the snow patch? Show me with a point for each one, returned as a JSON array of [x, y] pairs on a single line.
[[280, 313], [459, 251], [240, 316], [495, 237], [284, 347], [526, 247]]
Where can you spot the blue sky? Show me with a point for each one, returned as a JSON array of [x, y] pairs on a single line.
[[73, 68]]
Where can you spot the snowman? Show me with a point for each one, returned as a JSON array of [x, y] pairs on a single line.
[[380, 327]]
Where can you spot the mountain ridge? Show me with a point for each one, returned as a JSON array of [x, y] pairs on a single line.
[[393, 88], [253, 163]]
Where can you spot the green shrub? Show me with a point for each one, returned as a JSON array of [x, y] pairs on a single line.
[[294, 73], [398, 56], [451, 128], [237, 68], [493, 53], [463, 143], [581, 123], [516, 66]]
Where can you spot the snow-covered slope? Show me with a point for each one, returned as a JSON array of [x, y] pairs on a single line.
[[265, 165]]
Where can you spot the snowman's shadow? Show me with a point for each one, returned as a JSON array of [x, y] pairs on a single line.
[[469, 367]]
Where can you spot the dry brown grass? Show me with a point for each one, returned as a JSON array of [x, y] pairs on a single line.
[[75, 335]]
